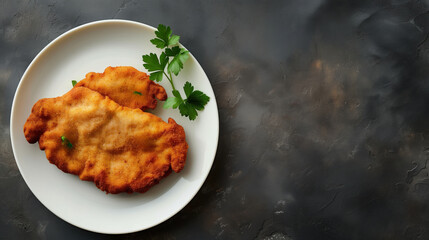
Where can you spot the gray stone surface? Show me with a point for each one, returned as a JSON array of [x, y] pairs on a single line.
[[324, 128]]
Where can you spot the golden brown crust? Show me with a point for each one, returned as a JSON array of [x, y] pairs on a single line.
[[120, 85], [119, 148]]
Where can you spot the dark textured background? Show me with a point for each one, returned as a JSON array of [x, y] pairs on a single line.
[[324, 123]]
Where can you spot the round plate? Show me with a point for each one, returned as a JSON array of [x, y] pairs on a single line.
[[91, 48]]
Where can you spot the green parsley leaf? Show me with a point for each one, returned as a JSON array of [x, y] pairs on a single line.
[[188, 88], [138, 93], [177, 94], [171, 52], [174, 39], [165, 37], [158, 43], [163, 33], [156, 76], [177, 63], [74, 82], [152, 63], [188, 110], [198, 100], [155, 66], [172, 102], [66, 142]]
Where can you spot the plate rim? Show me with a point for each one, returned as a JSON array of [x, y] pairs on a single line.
[[12, 133]]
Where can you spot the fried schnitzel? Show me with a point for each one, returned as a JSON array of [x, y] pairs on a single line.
[[119, 148], [126, 86]]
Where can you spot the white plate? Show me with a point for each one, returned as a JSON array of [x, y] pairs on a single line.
[[91, 48]]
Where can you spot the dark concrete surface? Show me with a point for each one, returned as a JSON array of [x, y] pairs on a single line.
[[324, 117]]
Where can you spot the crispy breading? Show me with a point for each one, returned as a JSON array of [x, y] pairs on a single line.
[[119, 148], [124, 86]]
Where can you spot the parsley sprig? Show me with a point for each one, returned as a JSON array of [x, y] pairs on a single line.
[[169, 62]]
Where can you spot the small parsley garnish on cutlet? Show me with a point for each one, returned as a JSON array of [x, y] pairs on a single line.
[[66, 142]]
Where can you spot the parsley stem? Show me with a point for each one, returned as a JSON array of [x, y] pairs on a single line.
[[172, 84], [167, 76], [170, 80]]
